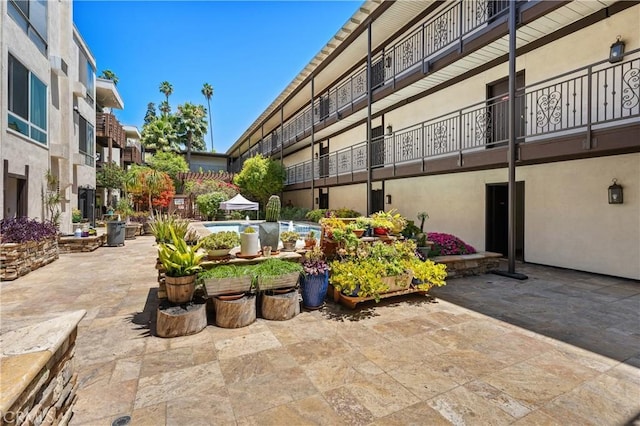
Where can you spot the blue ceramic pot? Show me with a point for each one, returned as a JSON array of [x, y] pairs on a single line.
[[314, 290]]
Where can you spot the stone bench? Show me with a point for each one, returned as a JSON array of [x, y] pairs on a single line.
[[469, 264]]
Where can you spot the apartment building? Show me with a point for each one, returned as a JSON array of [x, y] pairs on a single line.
[[407, 107], [47, 108]]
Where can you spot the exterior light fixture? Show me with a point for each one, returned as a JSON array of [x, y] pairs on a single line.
[[388, 198], [389, 130], [615, 193], [317, 200], [616, 53]]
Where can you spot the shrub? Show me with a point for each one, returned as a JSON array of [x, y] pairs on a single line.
[[447, 244], [315, 215], [294, 213], [345, 212], [23, 229], [209, 204]]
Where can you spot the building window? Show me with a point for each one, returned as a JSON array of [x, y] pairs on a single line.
[[87, 75], [86, 140], [31, 16], [27, 102]]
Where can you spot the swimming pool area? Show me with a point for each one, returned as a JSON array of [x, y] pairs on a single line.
[[301, 228]]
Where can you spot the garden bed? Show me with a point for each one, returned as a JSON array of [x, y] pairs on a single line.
[[18, 259], [71, 244], [463, 265]]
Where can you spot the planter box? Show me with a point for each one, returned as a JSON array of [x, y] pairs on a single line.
[[219, 286], [283, 281], [18, 259], [397, 282]]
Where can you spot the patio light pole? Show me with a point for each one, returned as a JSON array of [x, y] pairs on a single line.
[[511, 250]]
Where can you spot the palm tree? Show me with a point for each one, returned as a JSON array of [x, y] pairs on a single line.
[[192, 126], [167, 89], [207, 91], [110, 75]]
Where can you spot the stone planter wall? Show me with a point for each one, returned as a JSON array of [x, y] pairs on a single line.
[[38, 379], [82, 244], [18, 259], [469, 264]]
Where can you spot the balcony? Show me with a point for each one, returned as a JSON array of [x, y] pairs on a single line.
[[574, 108], [132, 153], [109, 131]]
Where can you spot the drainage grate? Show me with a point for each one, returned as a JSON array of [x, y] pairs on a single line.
[[121, 421]]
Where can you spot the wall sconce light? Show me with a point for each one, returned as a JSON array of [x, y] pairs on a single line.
[[615, 193], [389, 130], [387, 61], [616, 52], [388, 198], [76, 110], [316, 155], [317, 200]]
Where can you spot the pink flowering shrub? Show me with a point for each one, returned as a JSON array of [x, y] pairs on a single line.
[[447, 244]]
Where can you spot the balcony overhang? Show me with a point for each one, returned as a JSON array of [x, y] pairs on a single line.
[[107, 94]]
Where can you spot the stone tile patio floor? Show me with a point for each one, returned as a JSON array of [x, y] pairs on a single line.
[[560, 348]]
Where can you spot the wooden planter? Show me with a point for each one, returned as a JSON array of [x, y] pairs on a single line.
[[18, 259], [282, 281], [219, 286], [398, 282], [180, 289]]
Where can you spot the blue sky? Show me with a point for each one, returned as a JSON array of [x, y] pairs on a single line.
[[248, 51]]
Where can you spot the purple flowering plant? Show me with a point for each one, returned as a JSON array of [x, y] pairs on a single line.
[[23, 229], [314, 262], [447, 244]]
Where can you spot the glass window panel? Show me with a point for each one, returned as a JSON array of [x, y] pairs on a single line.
[[91, 77], [90, 139], [82, 135], [15, 123], [38, 17], [18, 88], [14, 10], [38, 103], [38, 136]]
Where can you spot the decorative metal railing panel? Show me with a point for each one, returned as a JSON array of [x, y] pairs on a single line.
[[574, 101]]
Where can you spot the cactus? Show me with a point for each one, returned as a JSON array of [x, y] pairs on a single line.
[[273, 209]]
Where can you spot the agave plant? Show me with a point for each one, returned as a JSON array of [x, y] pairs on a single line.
[[178, 258]]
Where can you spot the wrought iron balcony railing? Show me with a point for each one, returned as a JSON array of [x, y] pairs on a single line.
[[437, 33], [592, 97]]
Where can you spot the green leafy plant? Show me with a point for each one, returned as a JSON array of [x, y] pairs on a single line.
[[315, 215], [427, 274], [209, 204], [249, 230], [178, 258], [225, 271], [76, 215], [289, 236], [272, 268], [220, 240]]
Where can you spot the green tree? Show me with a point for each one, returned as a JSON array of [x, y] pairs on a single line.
[[165, 108], [110, 75], [110, 176], [167, 89], [191, 127], [207, 91], [151, 113], [170, 163], [260, 178], [160, 135]]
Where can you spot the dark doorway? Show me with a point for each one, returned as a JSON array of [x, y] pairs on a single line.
[[324, 160], [323, 198], [497, 222], [377, 200], [86, 203], [377, 147], [498, 111]]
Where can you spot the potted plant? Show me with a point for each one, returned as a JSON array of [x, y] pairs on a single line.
[[269, 231], [181, 262], [220, 243], [361, 224], [249, 242], [316, 278], [226, 280], [310, 240], [276, 274], [76, 217], [289, 240], [381, 223]]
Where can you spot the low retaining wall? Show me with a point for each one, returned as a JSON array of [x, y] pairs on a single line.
[[469, 264], [38, 379], [81, 244], [18, 259]]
